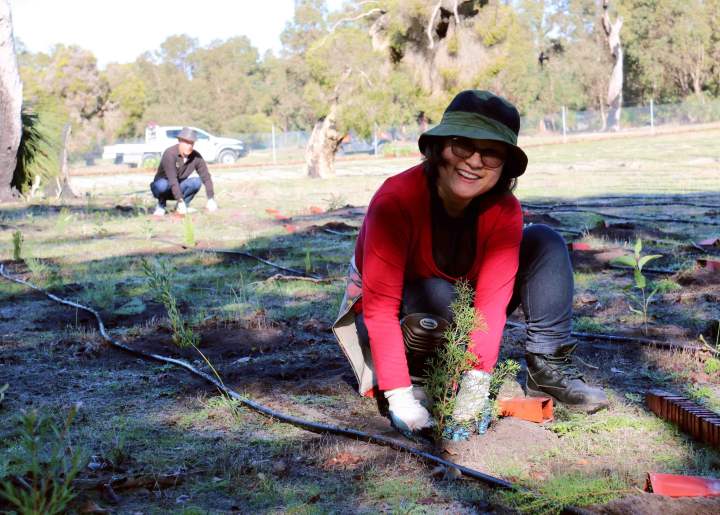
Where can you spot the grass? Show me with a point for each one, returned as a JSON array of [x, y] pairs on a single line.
[[95, 252]]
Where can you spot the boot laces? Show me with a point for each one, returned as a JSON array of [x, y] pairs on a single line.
[[564, 364]]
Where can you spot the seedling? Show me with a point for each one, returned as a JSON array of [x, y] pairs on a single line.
[[453, 359], [17, 245], [639, 301], [712, 364], [46, 467], [189, 232], [159, 280]]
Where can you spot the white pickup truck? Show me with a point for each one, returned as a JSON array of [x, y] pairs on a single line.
[[158, 138]]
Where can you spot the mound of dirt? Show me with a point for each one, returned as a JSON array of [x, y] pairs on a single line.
[[509, 440]]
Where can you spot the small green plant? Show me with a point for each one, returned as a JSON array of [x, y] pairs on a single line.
[[508, 369], [159, 279], [63, 220], [335, 201], [44, 466], [308, 262], [17, 239], [189, 232], [638, 296], [453, 359]]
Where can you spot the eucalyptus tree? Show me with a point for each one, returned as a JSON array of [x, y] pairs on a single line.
[[11, 97]]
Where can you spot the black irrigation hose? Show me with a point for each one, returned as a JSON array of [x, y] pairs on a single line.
[[619, 204], [238, 253], [640, 218], [289, 419], [614, 338]]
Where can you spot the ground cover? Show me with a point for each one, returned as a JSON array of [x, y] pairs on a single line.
[[183, 448]]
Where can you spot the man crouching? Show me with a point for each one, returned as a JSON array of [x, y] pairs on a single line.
[[172, 180]]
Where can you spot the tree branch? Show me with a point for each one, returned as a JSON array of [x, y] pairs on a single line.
[[431, 24]]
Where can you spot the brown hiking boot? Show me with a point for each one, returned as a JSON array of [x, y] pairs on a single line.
[[556, 376]]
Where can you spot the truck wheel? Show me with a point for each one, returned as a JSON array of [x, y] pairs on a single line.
[[227, 157]]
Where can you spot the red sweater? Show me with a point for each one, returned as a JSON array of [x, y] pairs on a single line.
[[394, 246]]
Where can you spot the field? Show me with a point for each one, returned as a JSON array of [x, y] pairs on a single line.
[[175, 445]]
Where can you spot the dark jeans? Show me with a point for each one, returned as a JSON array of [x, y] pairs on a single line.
[[161, 190], [543, 287]]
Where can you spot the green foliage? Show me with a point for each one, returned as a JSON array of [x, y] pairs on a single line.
[[44, 465], [639, 300], [576, 489], [17, 239], [712, 366], [453, 359], [188, 231], [39, 151], [159, 277]]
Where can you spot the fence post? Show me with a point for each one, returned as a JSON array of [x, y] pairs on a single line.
[[652, 116], [564, 125], [274, 154]]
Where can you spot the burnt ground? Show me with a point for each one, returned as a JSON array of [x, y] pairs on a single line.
[[148, 420]]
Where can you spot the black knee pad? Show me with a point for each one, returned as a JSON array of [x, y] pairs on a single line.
[[423, 335]]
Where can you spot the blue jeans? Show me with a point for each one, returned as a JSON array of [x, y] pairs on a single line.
[[161, 190], [543, 287]]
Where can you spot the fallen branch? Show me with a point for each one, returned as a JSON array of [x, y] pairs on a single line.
[[149, 481]]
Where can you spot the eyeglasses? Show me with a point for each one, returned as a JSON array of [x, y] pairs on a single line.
[[464, 149]]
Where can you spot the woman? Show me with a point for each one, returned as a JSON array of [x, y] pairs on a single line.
[[454, 217]]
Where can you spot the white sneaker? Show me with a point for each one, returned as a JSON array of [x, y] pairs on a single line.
[[472, 397], [159, 211]]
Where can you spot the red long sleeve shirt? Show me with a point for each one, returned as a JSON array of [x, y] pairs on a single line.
[[395, 246]]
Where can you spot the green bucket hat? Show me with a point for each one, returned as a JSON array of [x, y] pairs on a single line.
[[480, 114]]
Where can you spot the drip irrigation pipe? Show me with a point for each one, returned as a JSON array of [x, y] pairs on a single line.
[[239, 253], [619, 204], [640, 218], [614, 338], [288, 419]]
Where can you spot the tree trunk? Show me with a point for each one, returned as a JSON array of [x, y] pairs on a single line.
[[324, 142], [10, 103], [325, 139], [614, 97], [60, 186]]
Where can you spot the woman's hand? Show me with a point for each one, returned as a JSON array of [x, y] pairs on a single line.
[[406, 412]]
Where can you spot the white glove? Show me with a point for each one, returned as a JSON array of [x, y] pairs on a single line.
[[181, 208], [406, 412], [472, 397], [211, 205]]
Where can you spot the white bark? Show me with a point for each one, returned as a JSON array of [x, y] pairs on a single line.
[[10, 102], [431, 24], [614, 96], [325, 139]]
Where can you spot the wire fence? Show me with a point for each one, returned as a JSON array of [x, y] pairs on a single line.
[[278, 146]]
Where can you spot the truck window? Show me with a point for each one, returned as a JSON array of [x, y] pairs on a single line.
[[173, 133], [201, 134]]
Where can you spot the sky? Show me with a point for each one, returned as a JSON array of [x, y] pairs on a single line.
[[121, 30]]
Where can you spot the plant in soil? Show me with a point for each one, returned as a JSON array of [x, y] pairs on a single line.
[[17, 239], [638, 297], [43, 465], [159, 277], [189, 231], [453, 359]]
